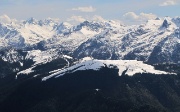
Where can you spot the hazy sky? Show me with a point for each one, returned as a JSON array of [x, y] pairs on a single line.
[[125, 10]]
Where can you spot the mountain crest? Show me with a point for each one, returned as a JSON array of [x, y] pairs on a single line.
[[31, 21], [165, 24], [64, 28]]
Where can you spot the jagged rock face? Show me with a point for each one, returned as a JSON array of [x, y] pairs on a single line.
[[45, 59], [138, 44], [165, 24], [167, 52], [11, 55], [97, 49], [150, 42]]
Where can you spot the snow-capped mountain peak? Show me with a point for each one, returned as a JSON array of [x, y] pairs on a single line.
[[65, 25], [49, 21], [99, 39], [176, 20], [31, 21], [64, 28]]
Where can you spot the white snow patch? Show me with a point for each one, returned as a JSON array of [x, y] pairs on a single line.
[[68, 57], [21, 63], [4, 59], [97, 89], [86, 59], [41, 57], [36, 75], [27, 71], [88, 33], [132, 67]]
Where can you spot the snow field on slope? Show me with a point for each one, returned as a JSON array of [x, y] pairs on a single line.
[[132, 67]]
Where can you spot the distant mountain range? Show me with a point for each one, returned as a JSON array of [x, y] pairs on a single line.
[[156, 41], [42, 41], [95, 66]]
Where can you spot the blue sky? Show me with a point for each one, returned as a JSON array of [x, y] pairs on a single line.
[[126, 10]]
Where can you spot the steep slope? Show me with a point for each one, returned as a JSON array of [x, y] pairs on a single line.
[[69, 37], [90, 90], [156, 41], [136, 42], [31, 62], [26, 33], [43, 67]]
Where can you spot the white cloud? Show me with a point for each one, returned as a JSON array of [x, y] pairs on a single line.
[[131, 16], [135, 18], [97, 18], [5, 19], [76, 18], [79, 19], [169, 2], [85, 9], [145, 16]]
